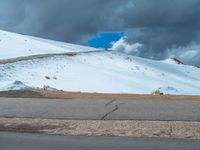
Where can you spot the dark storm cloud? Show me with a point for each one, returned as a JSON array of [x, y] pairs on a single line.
[[164, 27], [66, 20]]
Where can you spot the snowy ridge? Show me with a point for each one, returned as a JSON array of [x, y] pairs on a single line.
[[14, 45], [101, 72]]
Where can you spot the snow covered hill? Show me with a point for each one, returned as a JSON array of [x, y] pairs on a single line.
[[14, 45], [97, 71]]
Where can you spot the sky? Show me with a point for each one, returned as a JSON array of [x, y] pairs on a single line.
[[105, 40], [155, 29]]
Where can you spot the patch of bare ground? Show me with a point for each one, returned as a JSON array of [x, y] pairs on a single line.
[[21, 94], [169, 129], [43, 93]]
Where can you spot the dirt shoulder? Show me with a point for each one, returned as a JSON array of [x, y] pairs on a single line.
[[168, 129], [40, 93]]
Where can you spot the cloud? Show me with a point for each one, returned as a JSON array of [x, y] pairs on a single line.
[[163, 25], [189, 54], [66, 20], [123, 46], [159, 25]]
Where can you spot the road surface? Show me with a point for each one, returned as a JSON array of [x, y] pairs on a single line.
[[19, 141], [100, 109]]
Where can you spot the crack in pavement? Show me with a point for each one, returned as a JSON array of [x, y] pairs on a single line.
[[107, 114], [43, 114], [110, 102]]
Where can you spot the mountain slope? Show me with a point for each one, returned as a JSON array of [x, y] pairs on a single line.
[[102, 71], [14, 45]]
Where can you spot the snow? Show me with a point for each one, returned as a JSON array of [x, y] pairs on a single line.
[[14, 45], [17, 85], [96, 71], [103, 72]]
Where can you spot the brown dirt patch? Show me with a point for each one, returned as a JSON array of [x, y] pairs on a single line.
[[40, 93]]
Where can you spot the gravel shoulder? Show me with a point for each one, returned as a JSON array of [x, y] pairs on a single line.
[[168, 129]]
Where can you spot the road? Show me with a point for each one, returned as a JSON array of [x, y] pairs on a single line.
[[100, 109], [19, 141], [41, 56]]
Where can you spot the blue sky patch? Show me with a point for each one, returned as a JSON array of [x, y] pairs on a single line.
[[104, 39]]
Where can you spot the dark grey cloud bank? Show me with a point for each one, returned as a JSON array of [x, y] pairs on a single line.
[[163, 27]]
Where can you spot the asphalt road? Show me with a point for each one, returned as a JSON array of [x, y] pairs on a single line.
[[19, 141], [100, 109]]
